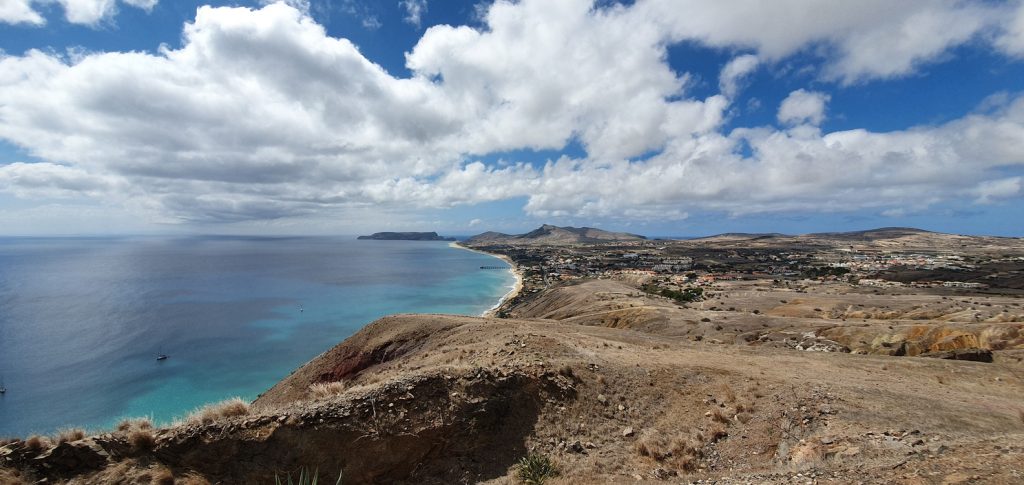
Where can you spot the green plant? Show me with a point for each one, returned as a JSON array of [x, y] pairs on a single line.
[[535, 469], [305, 478]]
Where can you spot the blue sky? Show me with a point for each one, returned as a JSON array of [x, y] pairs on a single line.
[[659, 117]]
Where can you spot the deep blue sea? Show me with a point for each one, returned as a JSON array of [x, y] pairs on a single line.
[[83, 319]]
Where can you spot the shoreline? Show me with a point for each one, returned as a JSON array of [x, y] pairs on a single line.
[[513, 268]]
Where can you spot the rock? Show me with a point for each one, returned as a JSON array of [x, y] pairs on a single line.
[[975, 355], [77, 457], [577, 447], [663, 474], [601, 398], [628, 432]]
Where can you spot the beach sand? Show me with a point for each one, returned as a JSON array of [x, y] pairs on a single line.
[[513, 268]]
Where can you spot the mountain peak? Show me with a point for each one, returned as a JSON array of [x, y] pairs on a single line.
[[554, 235]]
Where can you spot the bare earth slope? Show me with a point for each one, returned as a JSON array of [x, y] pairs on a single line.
[[445, 399]]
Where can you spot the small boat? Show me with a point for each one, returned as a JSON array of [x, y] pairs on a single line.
[[3, 389], [162, 356]]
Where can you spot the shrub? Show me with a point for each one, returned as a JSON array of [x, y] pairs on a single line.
[[324, 390], [142, 440], [535, 469]]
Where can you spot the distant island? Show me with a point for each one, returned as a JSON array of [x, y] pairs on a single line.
[[406, 236]]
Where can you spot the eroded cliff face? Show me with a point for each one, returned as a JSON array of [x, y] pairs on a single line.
[[447, 399]]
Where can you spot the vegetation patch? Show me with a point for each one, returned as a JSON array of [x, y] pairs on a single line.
[[535, 469]]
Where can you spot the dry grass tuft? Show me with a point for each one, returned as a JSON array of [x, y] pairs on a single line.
[[324, 390], [129, 424], [718, 416], [728, 395], [744, 417], [717, 433], [11, 477], [69, 435], [37, 443], [212, 413], [142, 440], [193, 480], [162, 477], [681, 451]]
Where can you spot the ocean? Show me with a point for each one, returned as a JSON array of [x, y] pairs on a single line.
[[83, 319]]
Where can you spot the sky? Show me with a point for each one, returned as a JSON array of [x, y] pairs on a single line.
[[659, 117]]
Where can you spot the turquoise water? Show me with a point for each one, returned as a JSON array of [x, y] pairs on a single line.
[[82, 319]]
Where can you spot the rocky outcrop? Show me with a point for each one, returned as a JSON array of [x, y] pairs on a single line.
[[912, 340], [975, 355]]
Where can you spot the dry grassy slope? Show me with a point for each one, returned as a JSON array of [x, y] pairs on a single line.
[[446, 399], [904, 324], [803, 410]]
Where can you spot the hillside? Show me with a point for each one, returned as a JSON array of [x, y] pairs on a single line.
[[450, 399], [553, 235], [763, 378]]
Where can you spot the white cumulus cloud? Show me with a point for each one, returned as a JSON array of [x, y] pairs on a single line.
[[803, 107], [414, 10], [86, 12], [734, 72], [18, 12], [260, 115]]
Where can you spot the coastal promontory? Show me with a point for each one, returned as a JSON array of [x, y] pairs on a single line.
[[405, 236]]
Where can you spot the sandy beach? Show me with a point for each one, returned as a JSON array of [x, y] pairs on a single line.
[[513, 268]]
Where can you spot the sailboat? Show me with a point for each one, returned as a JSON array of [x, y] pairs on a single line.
[[3, 389], [161, 356]]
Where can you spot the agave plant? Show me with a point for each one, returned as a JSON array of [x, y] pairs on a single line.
[[535, 469], [305, 478]]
